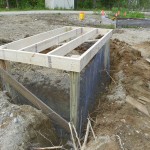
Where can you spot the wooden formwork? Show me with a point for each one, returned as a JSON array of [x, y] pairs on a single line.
[[30, 51]]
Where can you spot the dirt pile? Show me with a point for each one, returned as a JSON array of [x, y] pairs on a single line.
[[117, 124], [136, 70], [23, 127]]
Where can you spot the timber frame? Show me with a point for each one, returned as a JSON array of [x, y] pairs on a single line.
[[29, 51]]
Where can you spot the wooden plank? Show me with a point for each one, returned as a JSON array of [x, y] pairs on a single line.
[[138, 87], [2, 64], [144, 99], [74, 98], [34, 100], [148, 60], [142, 102], [107, 54], [24, 57], [65, 63], [101, 31], [92, 51], [66, 48], [50, 61], [16, 45], [55, 40], [137, 105]]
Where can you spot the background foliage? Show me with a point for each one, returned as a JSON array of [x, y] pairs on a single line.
[[22, 4], [109, 4], [81, 4]]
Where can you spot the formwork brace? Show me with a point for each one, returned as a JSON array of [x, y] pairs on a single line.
[[34, 100]]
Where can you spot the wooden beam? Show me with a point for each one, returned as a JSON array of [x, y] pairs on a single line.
[[34, 100], [24, 57], [65, 63], [144, 99], [148, 59], [16, 45], [2, 64], [66, 48], [74, 98], [92, 51], [47, 43], [137, 105], [50, 61], [101, 31], [106, 54]]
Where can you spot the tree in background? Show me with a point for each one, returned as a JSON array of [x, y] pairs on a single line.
[[108, 4], [87, 4], [22, 3]]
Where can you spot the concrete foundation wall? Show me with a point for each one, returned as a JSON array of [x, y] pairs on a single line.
[[49, 85], [64, 4], [94, 81]]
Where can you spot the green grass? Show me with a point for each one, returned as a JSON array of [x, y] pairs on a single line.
[[22, 9], [147, 16], [129, 14], [111, 26]]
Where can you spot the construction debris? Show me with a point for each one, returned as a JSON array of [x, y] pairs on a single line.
[[137, 105]]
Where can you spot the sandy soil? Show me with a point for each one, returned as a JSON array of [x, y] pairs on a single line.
[[117, 124]]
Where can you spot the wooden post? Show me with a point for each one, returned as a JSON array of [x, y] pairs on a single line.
[[106, 53], [74, 98], [3, 65]]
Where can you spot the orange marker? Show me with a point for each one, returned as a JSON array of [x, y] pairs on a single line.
[[125, 13], [103, 13]]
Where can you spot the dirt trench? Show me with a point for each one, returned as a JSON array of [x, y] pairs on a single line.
[[118, 125]]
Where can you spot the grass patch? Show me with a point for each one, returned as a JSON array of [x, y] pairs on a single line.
[[125, 13], [21, 9], [111, 26]]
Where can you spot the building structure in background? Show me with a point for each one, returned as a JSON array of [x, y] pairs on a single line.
[[60, 4]]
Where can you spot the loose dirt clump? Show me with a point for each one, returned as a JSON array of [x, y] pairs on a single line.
[[117, 124], [135, 69], [4, 41], [23, 127], [144, 48]]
